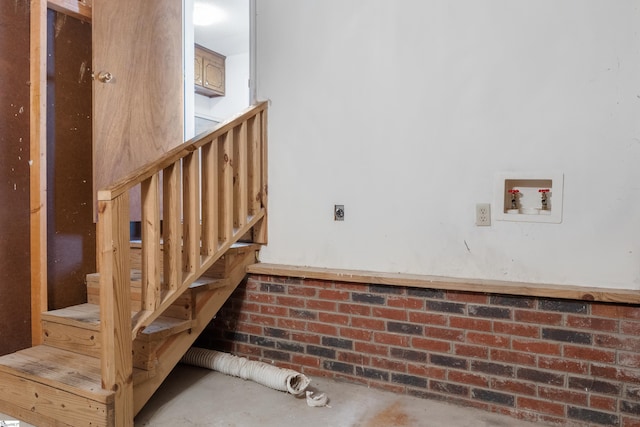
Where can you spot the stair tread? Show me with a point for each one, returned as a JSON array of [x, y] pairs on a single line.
[[63, 369], [164, 327], [87, 316], [210, 282], [136, 243], [136, 279]]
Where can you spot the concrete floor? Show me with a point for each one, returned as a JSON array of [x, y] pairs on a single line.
[[199, 397]]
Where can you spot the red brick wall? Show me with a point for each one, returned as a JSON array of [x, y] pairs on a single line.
[[539, 359]]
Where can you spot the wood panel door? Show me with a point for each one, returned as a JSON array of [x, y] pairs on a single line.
[[138, 87]]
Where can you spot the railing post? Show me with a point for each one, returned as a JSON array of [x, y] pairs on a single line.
[[191, 211], [253, 159], [151, 291], [210, 198], [225, 204], [171, 234], [237, 151], [240, 189], [115, 304], [260, 234]]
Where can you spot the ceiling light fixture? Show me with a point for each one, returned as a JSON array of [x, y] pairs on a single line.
[[207, 14]]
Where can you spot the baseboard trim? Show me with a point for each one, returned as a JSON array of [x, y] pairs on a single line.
[[584, 293]]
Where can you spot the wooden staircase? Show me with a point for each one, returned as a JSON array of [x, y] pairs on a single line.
[[100, 362]]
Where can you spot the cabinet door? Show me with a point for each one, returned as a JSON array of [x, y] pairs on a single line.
[[214, 74], [197, 69]]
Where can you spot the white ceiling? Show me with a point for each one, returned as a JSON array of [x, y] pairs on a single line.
[[231, 36]]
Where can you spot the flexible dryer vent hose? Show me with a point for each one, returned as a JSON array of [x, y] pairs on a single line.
[[271, 376]]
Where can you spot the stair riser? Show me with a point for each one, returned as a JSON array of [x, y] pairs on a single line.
[[218, 270], [180, 309], [88, 342], [72, 338], [43, 405]]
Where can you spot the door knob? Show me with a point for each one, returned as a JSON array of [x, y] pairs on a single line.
[[105, 76]]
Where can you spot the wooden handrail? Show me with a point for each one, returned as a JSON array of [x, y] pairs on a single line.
[[196, 201], [144, 172]]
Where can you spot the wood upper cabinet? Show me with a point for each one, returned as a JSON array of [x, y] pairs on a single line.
[[209, 73], [197, 68]]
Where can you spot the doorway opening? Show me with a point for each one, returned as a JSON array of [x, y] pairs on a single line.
[[71, 240], [227, 33]]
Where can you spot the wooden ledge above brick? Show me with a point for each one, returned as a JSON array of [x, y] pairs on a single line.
[[583, 293]]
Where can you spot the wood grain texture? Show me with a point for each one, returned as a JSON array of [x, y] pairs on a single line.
[[137, 176], [209, 72], [225, 192], [207, 305], [172, 234], [240, 182], [64, 370], [86, 316], [138, 115], [75, 339], [46, 405], [151, 259], [80, 9], [191, 213], [184, 254], [115, 306], [255, 165], [449, 283], [68, 333], [38, 170], [163, 328], [25, 414], [261, 232], [44, 385], [210, 198], [143, 318]]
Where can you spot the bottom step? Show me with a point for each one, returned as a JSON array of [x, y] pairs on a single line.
[[47, 386], [77, 329]]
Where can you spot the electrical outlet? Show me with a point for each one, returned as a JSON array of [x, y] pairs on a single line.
[[338, 212], [483, 214]]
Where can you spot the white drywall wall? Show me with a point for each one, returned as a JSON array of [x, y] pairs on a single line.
[[403, 111]]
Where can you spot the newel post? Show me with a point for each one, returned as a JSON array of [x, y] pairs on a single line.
[[260, 234], [115, 304]]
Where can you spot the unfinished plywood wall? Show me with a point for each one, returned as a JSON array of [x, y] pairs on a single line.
[[70, 230], [15, 294]]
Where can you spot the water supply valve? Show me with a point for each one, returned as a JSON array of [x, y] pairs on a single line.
[[544, 200], [514, 198], [529, 196]]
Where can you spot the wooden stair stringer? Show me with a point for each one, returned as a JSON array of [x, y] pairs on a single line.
[[145, 317], [208, 303], [59, 383]]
